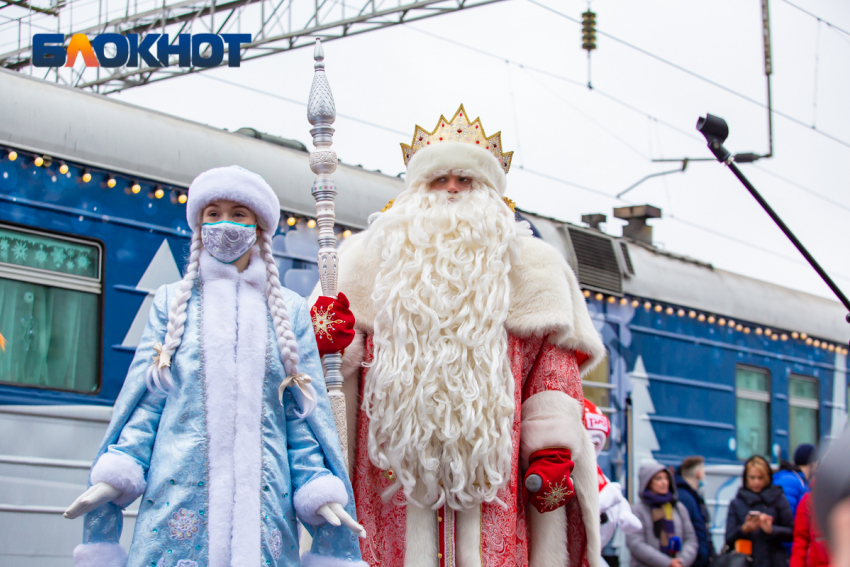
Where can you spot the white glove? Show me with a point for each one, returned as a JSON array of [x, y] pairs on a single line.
[[335, 514], [94, 497], [626, 520]]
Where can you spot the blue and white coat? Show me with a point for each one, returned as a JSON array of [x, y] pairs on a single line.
[[223, 468]]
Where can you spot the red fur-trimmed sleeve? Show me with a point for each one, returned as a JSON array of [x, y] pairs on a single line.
[[553, 368], [553, 416]]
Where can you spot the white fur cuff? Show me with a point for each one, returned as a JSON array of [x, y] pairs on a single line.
[[552, 419], [317, 493], [100, 555], [120, 472], [313, 560]]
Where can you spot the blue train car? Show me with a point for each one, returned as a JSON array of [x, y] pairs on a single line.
[[701, 361]]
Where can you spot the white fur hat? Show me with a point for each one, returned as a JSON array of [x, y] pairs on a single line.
[[476, 162], [235, 184]]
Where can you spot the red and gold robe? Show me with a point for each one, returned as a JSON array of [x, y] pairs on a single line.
[[551, 343]]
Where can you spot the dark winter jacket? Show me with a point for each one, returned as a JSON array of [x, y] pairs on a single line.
[[767, 548], [700, 518], [793, 483]]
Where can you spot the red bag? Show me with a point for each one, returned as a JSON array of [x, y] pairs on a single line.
[[554, 467], [333, 323]]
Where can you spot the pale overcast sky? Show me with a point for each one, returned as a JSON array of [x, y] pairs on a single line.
[[404, 75]]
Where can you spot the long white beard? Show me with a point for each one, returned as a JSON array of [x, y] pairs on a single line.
[[440, 393]]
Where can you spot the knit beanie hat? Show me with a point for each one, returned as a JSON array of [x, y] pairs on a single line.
[[805, 454]]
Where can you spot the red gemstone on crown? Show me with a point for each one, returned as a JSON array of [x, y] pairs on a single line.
[[477, 142], [441, 139], [459, 130]]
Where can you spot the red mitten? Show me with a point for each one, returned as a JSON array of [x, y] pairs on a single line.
[[554, 467], [333, 323]]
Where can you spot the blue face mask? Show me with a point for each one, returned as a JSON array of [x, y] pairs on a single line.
[[228, 241]]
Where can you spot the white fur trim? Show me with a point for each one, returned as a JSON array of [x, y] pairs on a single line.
[[314, 560], [549, 538], [235, 447], [420, 537], [481, 164], [315, 494], [236, 184], [545, 296], [554, 419], [99, 555], [468, 537], [122, 473], [252, 340]]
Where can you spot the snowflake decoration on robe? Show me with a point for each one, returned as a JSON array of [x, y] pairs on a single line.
[[183, 524], [275, 543], [323, 323], [556, 496]]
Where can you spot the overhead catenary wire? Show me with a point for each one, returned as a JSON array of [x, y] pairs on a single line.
[[700, 77], [818, 18]]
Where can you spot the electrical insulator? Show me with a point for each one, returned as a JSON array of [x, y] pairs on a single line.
[[588, 31]]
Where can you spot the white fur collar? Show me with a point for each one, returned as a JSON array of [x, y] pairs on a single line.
[[235, 336], [545, 296]]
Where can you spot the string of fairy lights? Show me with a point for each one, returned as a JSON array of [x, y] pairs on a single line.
[[713, 319], [133, 185]]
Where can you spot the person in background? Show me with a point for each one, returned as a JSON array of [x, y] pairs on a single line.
[[690, 476], [761, 514], [794, 478], [666, 538], [810, 548]]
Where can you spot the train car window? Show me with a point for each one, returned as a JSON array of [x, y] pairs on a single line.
[[597, 388], [50, 287], [803, 409], [752, 392]]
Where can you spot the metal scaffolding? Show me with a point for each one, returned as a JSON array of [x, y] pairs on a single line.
[[274, 25]]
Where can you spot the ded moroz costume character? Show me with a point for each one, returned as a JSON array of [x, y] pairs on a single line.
[[465, 373], [223, 436], [614, 509]]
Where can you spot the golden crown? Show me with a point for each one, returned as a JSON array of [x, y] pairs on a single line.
[[458, 129]]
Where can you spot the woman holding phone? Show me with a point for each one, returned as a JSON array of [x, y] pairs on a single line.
[[760, 514]]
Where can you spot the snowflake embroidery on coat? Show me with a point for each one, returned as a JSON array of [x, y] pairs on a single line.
[[276, 543], [323, 323], [186, 563], [183, 524], [58, 256], [556, 495], [41, 256]]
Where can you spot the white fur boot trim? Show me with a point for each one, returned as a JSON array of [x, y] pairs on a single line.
[[315, 494], [548, 538], [421, 543], [99, 555], [314, 560], [122, 473]]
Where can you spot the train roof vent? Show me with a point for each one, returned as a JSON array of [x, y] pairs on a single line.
[[596, 260], [627, 259]]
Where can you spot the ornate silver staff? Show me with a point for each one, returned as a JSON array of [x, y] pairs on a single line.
[[321, 113]]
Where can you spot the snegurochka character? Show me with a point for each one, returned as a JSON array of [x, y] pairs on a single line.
[[223, 425]]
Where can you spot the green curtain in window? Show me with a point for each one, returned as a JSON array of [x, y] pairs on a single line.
[[51, 336], [752, 434]]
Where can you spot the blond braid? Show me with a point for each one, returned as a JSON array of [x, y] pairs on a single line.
[[159, 379], [286, 342]]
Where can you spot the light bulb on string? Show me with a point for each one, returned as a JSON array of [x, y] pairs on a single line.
[[135, 187], [599, 297], [701, 317], [38, 161], [291, 221], [111, 182], [635, 303], [63, 168], [159, 193], [13, 155], [669, 311], [182, 198], [346, 233], [311, 223], [86, 176], [624, 301], [711, 319], [611, 299], [586, 293]]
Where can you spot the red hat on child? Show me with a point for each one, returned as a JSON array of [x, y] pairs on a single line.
[[595, 420]]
